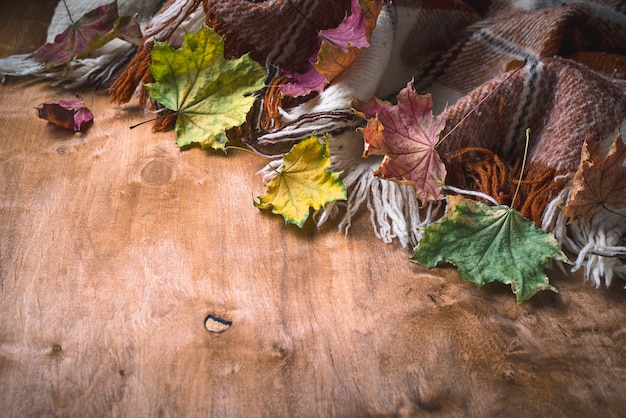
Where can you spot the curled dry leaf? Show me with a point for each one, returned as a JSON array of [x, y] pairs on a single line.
[[68, 114]]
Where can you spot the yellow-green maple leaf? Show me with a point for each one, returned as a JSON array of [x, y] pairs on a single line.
[[209, 93], [303, 182]]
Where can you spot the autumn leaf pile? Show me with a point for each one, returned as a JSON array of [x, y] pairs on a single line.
[[210, 95]]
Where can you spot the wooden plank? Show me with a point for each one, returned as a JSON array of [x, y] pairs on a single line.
[[115, 246]]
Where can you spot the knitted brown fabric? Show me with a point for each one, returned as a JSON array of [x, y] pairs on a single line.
[[282, 33], [572, 85]]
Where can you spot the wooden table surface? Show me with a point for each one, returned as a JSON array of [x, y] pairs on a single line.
[[115, 246]]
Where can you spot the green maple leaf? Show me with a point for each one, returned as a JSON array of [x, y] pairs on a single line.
[[490, 244], [303, 182], [209, 93]]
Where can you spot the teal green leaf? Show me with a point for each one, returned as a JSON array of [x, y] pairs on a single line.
[[303, 182], [490, 244], [209, 93]]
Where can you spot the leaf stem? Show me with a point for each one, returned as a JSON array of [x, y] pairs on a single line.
[[67, 9], [481, 102], [141, 123], [249, 151], [519, 181]]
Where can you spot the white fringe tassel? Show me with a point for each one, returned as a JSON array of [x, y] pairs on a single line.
[[595, 243], [394, 208]]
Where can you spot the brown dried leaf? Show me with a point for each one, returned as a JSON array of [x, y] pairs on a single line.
[[600, 181]]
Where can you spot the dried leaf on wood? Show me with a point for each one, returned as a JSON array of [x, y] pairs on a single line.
[[490, 244], [303, 182], [600, 181], [90, 32], [68, 114], [209, 93], [406, 134]]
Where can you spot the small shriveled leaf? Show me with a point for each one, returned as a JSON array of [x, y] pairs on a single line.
[[599, 182], [209, 93], [68, 114], [490, 244], [90, 32], [406, 134], [303, 183]]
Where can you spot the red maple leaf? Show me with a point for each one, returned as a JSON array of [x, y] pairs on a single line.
[[406, 134], [599, 182], [90, 32]]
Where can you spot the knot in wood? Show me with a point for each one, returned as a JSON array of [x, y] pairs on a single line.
[[156, 173]]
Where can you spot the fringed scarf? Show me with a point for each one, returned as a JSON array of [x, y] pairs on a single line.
[[571, 88]]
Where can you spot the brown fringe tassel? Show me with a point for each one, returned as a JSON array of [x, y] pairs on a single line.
[[165, 122], [481, 170], [537, 191], [272, 102], [137, 71]]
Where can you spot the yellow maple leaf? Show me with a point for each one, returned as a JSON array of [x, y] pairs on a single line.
[[303, 182]]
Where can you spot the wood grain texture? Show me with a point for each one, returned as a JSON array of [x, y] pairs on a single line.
[[115, 246]]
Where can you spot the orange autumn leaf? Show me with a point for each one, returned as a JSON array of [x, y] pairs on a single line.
[[333, 59]]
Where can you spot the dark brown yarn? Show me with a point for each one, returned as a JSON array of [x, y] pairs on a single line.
[[165, 122], [137, 71], [478, 169], [482, 170]]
